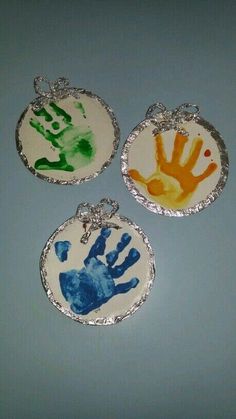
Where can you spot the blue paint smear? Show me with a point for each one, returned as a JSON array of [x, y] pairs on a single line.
[[61, 249], [92, 286]]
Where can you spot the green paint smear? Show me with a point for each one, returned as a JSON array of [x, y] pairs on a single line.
[[44, 114], [45, 164], [76, 144], [85, 148], [55, 125], [60, 112], [80, 106]]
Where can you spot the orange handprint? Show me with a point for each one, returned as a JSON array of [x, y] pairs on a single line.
[[173, 183]]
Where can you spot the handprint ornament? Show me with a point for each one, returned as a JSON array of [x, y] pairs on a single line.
[[174, 162], [98, 267], [66, 135]]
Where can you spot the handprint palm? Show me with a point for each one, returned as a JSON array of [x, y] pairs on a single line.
[[76, 145], [173, 183], [93, 285]]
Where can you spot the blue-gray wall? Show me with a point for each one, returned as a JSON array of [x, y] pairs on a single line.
[[175, 358]]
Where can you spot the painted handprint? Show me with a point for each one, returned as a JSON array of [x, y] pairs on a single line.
[[173, 183], [75, 144], [92, 286]]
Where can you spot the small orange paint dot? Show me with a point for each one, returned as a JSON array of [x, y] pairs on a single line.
[[207, 153]]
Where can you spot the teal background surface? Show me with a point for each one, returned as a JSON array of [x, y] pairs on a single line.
[[176, 357]]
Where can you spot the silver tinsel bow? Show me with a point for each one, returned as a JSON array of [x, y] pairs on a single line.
[[165, 119], [97, 216], [57, 90]]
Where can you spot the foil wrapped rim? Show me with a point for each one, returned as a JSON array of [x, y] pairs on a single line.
[[155, 207], [99, 321], [74, 92]]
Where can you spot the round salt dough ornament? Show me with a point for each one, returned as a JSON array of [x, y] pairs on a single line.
[[66, 135], [174, 162], [97, 267]]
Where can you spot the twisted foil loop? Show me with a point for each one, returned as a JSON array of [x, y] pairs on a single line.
[[57, 90], [97, 216], [165, 119]]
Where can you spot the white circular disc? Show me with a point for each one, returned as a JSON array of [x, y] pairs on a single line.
[[173, 174], [68, 141], [103, 281]]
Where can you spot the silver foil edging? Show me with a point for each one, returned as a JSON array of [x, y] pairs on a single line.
[[156, 208], [75, 92], [100, 321]]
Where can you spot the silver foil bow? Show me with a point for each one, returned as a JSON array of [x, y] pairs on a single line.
[[57, 90], [97, 216], [165, 119]]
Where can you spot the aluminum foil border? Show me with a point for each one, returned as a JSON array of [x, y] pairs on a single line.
[[156, 208], [100, 321], [75, 181]]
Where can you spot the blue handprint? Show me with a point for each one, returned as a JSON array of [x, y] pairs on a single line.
[[93, 285]]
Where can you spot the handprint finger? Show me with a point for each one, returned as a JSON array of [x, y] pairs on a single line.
[[209, 170], [160, 152], [39, 127], [180, 141], [130, 260], [61, 164], [112, 256], [98, 248], [126, 286], [60, 112], [194, 153], [43, 113]]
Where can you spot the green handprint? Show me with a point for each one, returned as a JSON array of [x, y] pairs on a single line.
[[76, 145]]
